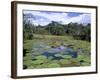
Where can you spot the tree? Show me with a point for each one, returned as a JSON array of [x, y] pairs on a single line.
[[27, 29], [56, 28]]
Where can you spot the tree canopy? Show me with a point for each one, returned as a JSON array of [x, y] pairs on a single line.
[[78, 31]]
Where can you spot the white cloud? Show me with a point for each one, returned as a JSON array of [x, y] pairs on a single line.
[[84, 18], [60, 17]]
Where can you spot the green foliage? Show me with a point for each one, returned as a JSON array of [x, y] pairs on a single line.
[[37, 62], [53, 40], [41, 57], [50, 58], [67, 56], [28, 44], [27, 29], [52, 65], [55, 28], [65, 61], [77, 31]]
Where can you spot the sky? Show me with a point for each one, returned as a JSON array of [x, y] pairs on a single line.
[[44, 17]]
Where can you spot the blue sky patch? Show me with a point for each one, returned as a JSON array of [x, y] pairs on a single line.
[[74, 14]]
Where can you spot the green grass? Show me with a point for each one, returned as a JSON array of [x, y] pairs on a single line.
[[52, 40]]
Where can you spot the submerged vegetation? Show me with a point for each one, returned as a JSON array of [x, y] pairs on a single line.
[[56, 45]]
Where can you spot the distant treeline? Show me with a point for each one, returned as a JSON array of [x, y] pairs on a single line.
[[78, 31]]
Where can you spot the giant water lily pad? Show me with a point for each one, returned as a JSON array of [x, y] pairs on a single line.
[[53, 65], [41, 57], [64, 61]]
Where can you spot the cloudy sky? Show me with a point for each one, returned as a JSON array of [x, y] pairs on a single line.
[[44, 17]]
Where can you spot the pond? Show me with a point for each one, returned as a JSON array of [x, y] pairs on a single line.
[[56, 53], [46, 55]]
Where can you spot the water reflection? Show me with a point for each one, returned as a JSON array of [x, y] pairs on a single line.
[[48, 51]]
